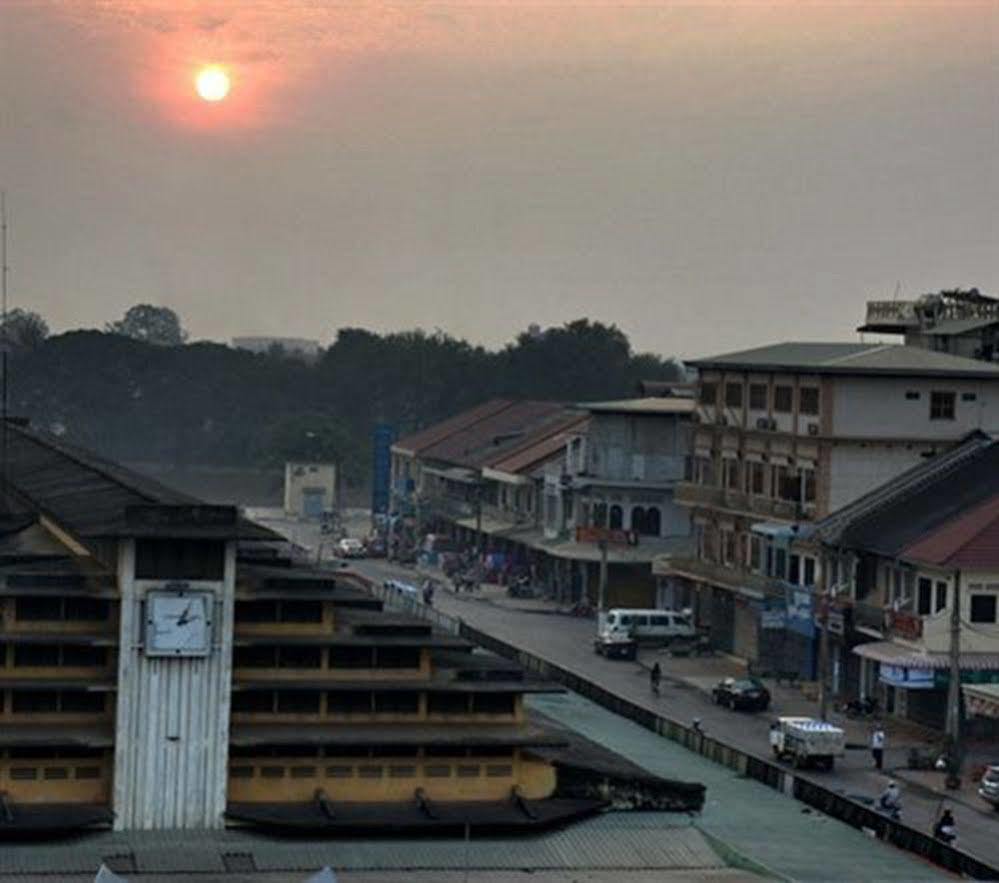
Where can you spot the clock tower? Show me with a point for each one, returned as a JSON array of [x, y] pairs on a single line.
[[176, 574]]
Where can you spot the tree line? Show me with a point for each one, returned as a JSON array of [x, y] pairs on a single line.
[[139, 391]]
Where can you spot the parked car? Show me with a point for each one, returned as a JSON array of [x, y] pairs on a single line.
[[988, 787], [650, 626], [742, 693], [350, 547]]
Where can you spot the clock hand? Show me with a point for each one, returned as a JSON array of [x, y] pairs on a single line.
[[185, 616]]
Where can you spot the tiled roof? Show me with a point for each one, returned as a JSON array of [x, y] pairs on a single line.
[[851, 358], [416, 442], [970, 541]]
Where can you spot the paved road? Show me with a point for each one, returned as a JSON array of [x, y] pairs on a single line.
[[568, 642]]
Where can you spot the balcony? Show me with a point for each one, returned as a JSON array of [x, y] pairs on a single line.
[[735, 578], [712, 497]]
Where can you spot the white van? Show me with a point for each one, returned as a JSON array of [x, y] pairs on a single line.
[[651, 626]]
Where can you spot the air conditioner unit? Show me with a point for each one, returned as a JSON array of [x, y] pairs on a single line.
[[813, 428]]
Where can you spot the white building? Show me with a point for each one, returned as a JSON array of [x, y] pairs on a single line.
[[309, 489]]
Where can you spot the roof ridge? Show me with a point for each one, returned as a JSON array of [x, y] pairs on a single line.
[[899, 488], [864, 353]]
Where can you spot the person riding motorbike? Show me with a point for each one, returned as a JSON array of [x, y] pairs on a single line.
[[890, 801], [945, 828]]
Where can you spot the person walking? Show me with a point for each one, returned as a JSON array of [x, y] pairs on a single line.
[[655, 677], [878, 747]]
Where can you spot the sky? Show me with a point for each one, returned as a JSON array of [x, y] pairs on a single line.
[[706, 175]]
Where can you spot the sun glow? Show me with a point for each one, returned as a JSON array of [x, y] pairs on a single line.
[[212, 83]]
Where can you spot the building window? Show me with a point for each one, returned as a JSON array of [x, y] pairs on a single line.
[[808, 400], [616, 517], [794, 570], [808, 478], [754, 553], [298, 701], [780, 563], [254, 657], [447, 703], [911, 395], [647, 522], [252, 702], [398, 657], [808, 574], [599, 514], [179, 559], [924, 596], [300, 657], [708, 394], [732, 474], [758, 396], [983, 608], [392, 702], [757, 479], [783, 399], [733, 395], [968, 397], [493, 703], [301, 611], [941, 405], [348, 702], [941, 599]]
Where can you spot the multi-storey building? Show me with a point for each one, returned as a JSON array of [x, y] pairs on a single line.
[[895, 559], [164, 665], [962, 323], [787, 434]]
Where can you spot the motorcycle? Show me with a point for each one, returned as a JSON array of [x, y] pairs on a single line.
[[864, 707]]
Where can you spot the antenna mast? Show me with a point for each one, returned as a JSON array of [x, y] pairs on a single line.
[[5, 343]]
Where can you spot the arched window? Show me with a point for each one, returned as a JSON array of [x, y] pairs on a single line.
[[638, 519], [653, 522], [616, 517]]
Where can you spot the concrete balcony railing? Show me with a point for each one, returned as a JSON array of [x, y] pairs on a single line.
[[734, 578], [712, 497]]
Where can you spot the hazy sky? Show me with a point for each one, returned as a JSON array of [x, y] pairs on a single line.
[[708, 175]]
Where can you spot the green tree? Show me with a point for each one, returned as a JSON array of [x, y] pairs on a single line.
[[151, 324], [25, 330]]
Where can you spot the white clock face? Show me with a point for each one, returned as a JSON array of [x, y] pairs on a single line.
[[178, 623]]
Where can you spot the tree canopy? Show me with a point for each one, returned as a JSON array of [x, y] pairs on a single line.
[[151, 324], [210, 404]]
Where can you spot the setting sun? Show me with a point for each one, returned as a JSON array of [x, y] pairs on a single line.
[[212, 83]]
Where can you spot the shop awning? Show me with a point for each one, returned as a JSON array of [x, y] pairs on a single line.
[[981, 700], [889, 653]]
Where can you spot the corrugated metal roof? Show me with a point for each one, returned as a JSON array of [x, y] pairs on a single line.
[[499, 433], [649, 405], [851, 358], [539, 445], [905, 657], [950, 327], [88, 495], [416, 442], [917, 502]]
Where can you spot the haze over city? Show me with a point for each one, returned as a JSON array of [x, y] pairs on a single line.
[[706, 176]]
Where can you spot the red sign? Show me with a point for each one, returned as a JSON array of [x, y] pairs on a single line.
[[611, 536], [905, 625]]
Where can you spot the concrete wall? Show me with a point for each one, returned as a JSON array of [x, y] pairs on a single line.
[[302, 477], [625, 447], [856, 469], [877, 407], [172, 726]]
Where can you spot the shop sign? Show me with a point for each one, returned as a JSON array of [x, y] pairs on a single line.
[[799, 611], [907, 678], [772, 619], [905, 625], [606, 535], [942, 677]]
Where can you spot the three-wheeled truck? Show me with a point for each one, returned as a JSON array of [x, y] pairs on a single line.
[[806, 741]]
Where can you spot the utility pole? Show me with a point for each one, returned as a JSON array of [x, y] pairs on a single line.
[[602, 585], [824, 649], [954, 690]]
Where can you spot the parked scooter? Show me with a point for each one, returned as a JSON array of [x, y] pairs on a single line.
[[866, 706]]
